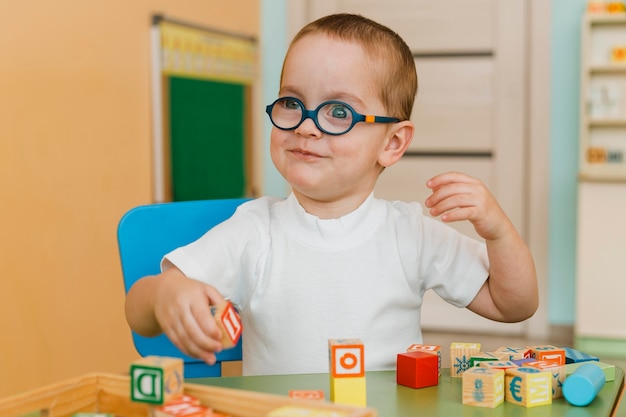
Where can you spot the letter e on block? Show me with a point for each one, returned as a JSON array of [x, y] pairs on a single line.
[[528, 387], [347, 358]]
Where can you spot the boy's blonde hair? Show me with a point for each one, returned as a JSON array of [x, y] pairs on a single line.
[[392, 59]]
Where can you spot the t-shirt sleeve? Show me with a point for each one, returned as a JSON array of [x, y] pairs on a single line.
[[456, 265], [224, 256]]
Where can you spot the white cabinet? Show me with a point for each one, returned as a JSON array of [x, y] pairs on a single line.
[[603, 98], [601, 268], [601, 242]]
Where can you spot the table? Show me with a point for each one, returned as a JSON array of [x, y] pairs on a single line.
[[620, 410], [392, 400]]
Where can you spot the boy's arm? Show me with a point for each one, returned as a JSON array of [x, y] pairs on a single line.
[[510, 294], [173, 304]]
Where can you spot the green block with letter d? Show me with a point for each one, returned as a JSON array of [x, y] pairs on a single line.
[[156, 379]]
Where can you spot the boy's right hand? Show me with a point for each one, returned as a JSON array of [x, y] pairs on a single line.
[[182, 309]]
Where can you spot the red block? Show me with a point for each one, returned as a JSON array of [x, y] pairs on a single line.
[[417, 369]]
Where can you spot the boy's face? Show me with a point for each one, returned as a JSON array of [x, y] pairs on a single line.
[[322, 167]]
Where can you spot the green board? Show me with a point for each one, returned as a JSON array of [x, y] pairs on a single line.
[[207, 134]]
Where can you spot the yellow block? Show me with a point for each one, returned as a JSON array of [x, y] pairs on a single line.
[[349, 391], [558, 375], [506, 353], [483, 387], [460, 354], [529, 387]]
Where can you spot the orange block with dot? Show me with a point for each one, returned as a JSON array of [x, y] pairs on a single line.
[[346, 358], [417, 369]]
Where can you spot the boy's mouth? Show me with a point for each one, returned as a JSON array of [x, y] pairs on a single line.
[[305, 153]]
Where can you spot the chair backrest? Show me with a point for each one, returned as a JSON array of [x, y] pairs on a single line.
[[145, 234]]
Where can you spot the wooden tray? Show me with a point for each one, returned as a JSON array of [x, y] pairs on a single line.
[[110, 393]]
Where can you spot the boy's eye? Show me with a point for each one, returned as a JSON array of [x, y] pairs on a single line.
[[338, 111], [290, 104]]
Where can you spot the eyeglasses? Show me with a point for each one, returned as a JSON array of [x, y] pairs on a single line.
[[331, 117]]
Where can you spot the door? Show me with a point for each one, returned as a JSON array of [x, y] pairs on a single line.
[[469, 111]]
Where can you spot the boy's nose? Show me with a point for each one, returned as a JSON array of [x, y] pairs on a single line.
[[308, 128]]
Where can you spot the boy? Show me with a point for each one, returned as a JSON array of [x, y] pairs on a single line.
[[332, 261]]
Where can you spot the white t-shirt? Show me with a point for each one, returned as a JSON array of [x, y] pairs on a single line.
[[298, 280]]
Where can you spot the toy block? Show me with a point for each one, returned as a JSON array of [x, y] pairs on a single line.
[[182, 407], [548, 353], [529, 387], [573, 356], [347, 371], [349, 391], [608, 369], [460, 354], [483, 387], [294, 411], [93, 415], [156, 379], [417, 369], [306, 394], [229, 323], [558, 375], [522, 362], [504, 365], [482, 357], [433, 349], [347, 358], [581, 387], [511, 353]]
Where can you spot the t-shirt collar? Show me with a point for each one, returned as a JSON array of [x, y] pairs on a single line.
[[352, 227]]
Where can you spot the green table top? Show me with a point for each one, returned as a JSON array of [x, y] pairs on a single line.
[[392, 400]]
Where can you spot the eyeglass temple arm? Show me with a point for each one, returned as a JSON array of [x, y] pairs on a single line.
[[369, 118]]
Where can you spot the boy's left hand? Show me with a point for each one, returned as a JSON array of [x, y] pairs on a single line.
[[456, 196], [510, 293]]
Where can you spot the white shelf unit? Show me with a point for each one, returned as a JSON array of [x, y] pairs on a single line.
[[603, 99], [601, 234]]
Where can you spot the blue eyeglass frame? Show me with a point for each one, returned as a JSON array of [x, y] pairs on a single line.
[[312, 114]]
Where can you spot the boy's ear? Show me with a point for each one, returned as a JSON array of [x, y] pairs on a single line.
[[398, 140]]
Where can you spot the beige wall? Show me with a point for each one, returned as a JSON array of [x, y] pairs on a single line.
[[75, 154]]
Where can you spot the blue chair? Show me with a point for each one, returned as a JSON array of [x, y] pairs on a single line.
[[145, 234]]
